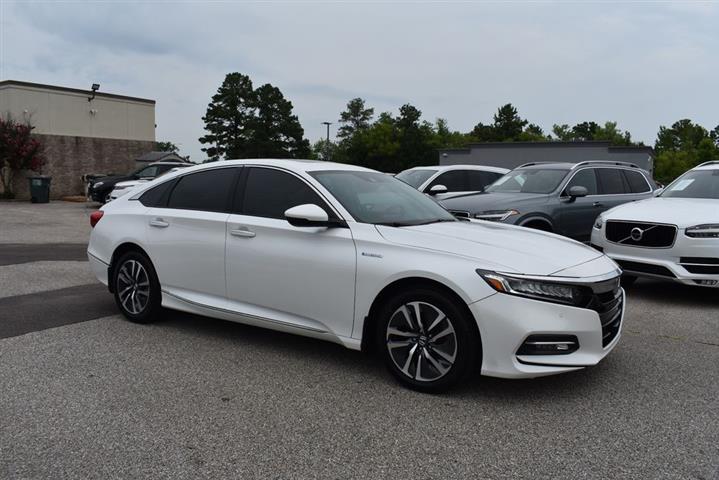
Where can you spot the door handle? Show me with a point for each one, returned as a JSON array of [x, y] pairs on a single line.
[[242, 232], [597, 204], [159, 223]]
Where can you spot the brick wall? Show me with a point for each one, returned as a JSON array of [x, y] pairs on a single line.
[[67, 159]]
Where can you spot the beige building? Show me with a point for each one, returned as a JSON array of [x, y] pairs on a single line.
[[82, 132]]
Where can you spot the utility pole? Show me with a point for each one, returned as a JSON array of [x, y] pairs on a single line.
[[327, 145]]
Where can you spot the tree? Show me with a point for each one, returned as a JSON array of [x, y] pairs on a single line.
[[355, 118], [682, 135], [166, 147], [592, 131], [228, 118], [19, 150], [276, 132], [682, 146], [508, 126]]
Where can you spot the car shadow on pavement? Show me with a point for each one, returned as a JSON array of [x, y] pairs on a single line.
[[675, 293], [368, 367]]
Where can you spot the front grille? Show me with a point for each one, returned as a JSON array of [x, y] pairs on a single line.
[[641, 234], [647, 268], [700, 265], [460, 213], [607, 301]]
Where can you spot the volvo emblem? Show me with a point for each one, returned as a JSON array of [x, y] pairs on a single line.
[[636, 234]]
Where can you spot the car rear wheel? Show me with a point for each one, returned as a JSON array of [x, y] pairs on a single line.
[[428, 343], [137, 291]]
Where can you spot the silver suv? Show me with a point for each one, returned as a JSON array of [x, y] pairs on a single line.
[[563, 198]]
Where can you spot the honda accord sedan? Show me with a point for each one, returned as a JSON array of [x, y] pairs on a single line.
[[354, 256]]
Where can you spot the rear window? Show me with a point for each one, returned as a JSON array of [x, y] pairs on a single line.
[[208, 190]]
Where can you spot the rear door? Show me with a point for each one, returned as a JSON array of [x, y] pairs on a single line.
[[613, 188], [298, 276], [186, 234]]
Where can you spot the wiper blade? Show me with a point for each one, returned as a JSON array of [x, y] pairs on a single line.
[[436, 220]]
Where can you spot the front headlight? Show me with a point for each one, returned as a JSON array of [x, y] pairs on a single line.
[[710, 230], [98, 184], [496, 215], [547, 291], [598, 222]]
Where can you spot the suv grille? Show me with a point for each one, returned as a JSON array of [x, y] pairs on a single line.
[[640, 234], [607, 301]]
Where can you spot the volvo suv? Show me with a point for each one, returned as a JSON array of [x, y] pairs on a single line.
[[563, 198]]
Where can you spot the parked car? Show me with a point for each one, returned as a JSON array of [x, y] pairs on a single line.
[[99, 190], [674, 236], [354, 256], [123, 188], [451, 180], [563, 198]]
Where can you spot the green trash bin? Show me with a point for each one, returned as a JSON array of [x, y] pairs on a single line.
[[40, 188]]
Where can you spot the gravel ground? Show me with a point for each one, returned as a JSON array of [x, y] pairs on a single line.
[[192, 397]]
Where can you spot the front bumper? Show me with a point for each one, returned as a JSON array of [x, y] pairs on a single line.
[[506, 321], [684, 262]]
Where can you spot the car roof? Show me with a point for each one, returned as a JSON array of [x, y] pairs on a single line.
[[290, 164], [444, 168], [712, 165], [174, 163]]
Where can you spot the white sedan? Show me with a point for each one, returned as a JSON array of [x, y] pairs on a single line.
[[354, 256], [674, 236], [447, 181]]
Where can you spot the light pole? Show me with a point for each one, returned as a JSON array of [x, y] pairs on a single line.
[[327, 145]]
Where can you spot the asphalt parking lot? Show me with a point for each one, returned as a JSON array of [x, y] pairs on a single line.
[[85, 394]]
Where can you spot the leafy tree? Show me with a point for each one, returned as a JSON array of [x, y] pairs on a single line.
[[592, 131], [682, 146], [276, 132], [355, 118], [508, 126], [166, 147], [19, 150], [682, 135]]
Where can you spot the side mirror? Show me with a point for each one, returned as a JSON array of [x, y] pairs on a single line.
[[437, 189], [578, 191], [308, 215], [658, 191]]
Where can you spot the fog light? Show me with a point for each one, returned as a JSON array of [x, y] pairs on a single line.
[[549, 345], [706, 283]]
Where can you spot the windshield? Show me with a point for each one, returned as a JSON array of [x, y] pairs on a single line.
[[373, 197], [529, 180], [694, 184], [415, 177]]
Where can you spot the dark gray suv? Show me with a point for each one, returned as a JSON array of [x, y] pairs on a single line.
[[563, 198]]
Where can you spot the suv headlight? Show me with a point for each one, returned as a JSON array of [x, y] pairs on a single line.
[[548, 291], [703, 231], [98, 184], [598, 222], [496, 215]]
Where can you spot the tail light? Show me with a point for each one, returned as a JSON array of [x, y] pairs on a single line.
[[95, 217]]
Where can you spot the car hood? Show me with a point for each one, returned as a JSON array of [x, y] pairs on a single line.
[[487, 201], [501, 247], [111, 180], [683, 212], [130, 183]]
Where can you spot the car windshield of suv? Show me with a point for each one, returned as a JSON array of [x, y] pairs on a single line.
[[695, 184], [415, 177], [529, 180], [147, 172], [373, 197]]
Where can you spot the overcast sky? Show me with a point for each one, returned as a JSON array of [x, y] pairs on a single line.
[[641, 64]]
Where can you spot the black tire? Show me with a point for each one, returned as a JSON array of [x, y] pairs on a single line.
[[462, 345], [140, 308], [627, 281]]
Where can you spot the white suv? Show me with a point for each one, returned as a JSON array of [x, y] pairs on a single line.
[[673, 236], [448, 181], [354, 256]]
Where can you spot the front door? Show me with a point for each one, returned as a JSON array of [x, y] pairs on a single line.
[[577, 215], [298, 276]]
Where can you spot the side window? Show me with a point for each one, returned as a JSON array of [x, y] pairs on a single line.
[[208, 190], [269, 193], [612, 181], [490, 177], [637, 182], [584, 178], [157, 196], [454, 180]]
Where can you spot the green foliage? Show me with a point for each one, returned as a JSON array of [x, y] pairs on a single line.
[[355, 119], [682, 146], [592, 131], [508, 126], [19, 150], [243, 122], [166, 147]]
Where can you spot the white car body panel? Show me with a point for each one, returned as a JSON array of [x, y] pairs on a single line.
[[446, 168], [322, 282], [123, 188]]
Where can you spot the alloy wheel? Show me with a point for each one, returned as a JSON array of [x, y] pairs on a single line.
[[421, 341], [133, 287]]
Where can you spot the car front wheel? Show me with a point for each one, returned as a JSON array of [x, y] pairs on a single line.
[[428, 343], [136, 289]]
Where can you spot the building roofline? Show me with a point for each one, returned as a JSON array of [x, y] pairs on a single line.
[[18, 83]]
